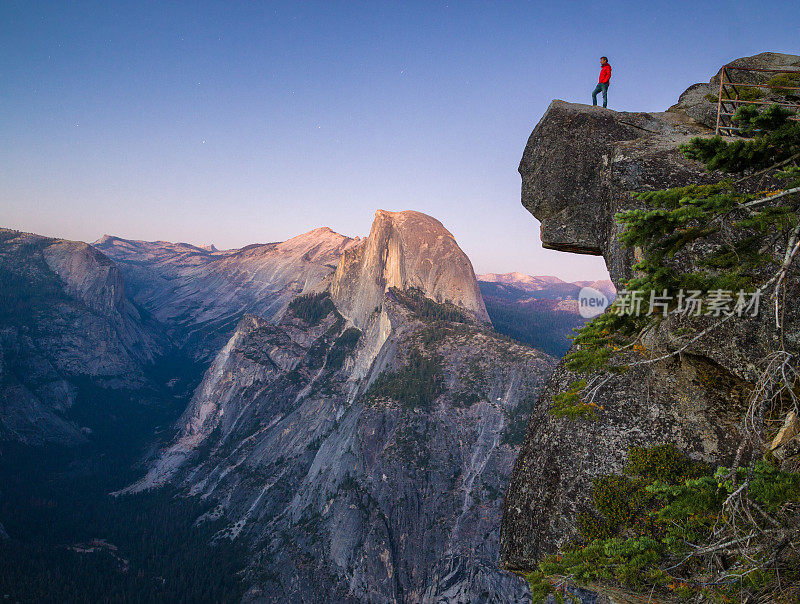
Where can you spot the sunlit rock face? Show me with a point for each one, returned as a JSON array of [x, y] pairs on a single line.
[[344, 493], [405, 250], [201, 293], [579, 169]]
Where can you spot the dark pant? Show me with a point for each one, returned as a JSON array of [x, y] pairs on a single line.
[[601, 87]]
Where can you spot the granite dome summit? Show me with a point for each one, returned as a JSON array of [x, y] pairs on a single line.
[[405, 250]]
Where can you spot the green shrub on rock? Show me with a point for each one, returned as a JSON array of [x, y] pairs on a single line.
[[417, 384], [312, 308], [659, 527]]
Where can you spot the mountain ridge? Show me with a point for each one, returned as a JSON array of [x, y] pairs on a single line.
[[201, 294], [67, 328]]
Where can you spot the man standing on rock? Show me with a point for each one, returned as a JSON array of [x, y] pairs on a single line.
[[602, 86]]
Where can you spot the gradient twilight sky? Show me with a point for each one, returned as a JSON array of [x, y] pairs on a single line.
[[244, 122]]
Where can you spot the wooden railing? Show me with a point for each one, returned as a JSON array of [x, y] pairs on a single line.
[[729, 96]]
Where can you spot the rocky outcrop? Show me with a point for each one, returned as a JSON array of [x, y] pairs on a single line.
[[578, 170], [201, 293], [66, 326], [362, 457], [580, 164]]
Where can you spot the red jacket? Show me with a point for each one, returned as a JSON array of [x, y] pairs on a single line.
[[605, 73]]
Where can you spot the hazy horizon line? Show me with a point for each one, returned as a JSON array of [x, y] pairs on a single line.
[[544, 273]]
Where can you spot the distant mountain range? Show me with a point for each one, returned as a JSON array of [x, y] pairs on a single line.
[[542, 286], [541, 311], [70, 337]]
